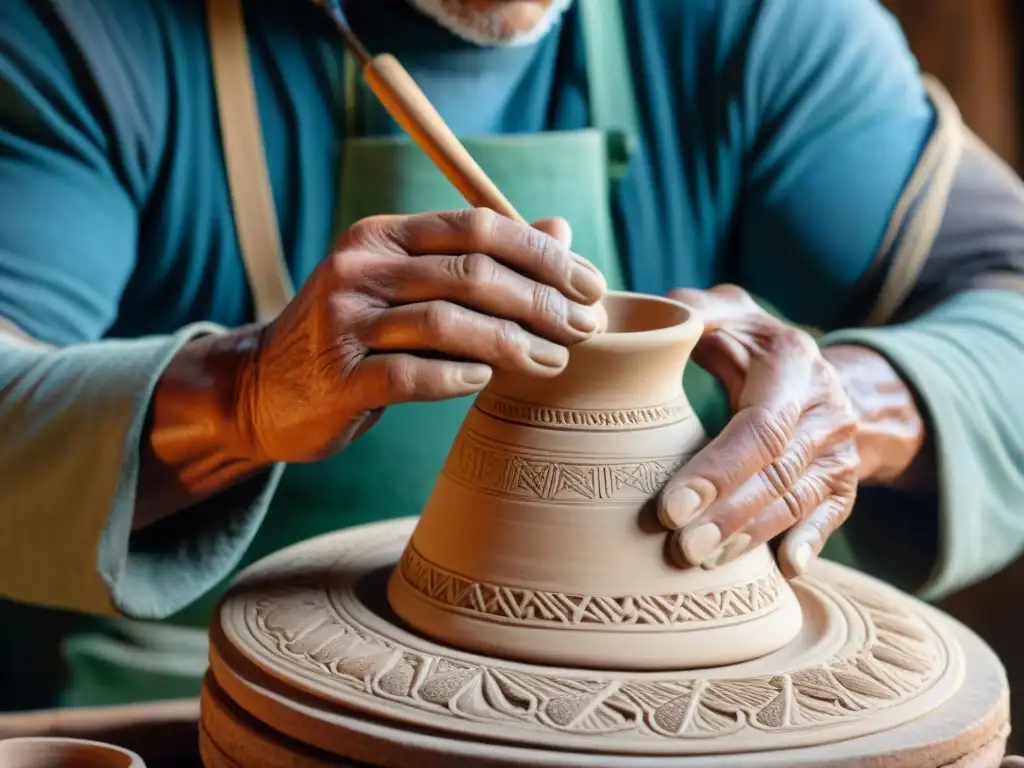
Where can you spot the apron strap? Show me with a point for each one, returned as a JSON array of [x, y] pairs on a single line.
[[610, 80], [252, 197]]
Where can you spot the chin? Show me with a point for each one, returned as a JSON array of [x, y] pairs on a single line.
[[495, 22], [514, 16]]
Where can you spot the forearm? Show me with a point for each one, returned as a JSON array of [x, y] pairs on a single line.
[[193, 446], [964, 360], [74, 425], [892, 437]]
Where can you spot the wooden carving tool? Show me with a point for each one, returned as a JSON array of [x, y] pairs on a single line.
[[411, 109]]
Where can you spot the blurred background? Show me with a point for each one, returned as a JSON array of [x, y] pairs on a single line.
[[973, 47]]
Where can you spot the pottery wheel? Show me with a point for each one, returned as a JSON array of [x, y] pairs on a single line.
[[306, 651]]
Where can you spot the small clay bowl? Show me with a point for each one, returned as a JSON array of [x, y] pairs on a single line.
[[65, 753]]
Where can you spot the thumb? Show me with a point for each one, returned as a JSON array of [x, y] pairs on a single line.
[[557, 228], [367, 420]]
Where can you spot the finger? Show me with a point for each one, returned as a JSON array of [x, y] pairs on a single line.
[[805, 541], [729, 518], [479, 282], [520, 246], [770, 520], [557, 227], [742, 456], [717, 306], [452, 331], [752, 440], [389, 379]]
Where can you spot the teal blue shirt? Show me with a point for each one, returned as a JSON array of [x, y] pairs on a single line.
[[772, 150], [776, 139]]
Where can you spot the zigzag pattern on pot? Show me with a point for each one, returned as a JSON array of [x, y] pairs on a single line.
[[532, 606], [487, 467]]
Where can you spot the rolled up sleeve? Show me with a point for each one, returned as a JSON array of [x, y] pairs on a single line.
[[72, 421]]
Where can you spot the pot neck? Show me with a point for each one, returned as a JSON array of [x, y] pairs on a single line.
[[614, 372]]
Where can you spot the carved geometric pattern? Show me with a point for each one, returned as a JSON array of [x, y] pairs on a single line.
[[533, 606], [900, 657], [488, 468], [571, 418]]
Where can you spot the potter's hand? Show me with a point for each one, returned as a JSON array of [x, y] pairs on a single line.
[[788, 458], [414, 308]]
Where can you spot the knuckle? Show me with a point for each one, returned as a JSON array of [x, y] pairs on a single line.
[[476, 270], [737, 296], [798, 339], [349, 307], [511, 339], [548, 302], [368, 230], [401, 379], [789, 468], [549, 252], [774, 480], [480, 223], [833, 514], [346, 266], [771, 432], [731, 291], [793, 505], [439, 319]]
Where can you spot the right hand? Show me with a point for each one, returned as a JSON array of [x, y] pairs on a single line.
[[412, 308]]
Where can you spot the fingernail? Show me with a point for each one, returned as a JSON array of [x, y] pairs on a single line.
[[679, 507], [714, 559], [587, 282], [735, 548], [802, 557], [701, 542], [582, 318], [549, 355], [475, 375]]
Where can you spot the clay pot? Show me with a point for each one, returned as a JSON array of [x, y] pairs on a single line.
[[65, 753], [540, 541]]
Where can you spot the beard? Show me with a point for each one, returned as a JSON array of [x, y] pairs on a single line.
[[490, 26]]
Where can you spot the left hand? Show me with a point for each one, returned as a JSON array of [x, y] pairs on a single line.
[[787, 461]]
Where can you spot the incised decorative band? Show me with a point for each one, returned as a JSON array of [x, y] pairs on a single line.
[[539, 607], [530, 414], [490, 468]]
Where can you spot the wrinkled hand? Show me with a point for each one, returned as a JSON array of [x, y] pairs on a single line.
[[413, 308], [787, 461]]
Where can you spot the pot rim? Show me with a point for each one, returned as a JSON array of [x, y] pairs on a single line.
[[13, 746], [689, 328]]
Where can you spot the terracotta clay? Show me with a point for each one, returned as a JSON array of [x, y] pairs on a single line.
[[532, 616], [307, 661], [540, 540], [64, 753]]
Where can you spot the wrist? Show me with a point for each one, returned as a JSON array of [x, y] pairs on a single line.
[[207, 387], [199, 428], [892, 436]]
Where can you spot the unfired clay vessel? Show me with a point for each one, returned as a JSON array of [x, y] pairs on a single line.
[[64, 753], [537, 620], [309, 667], [540, 541]]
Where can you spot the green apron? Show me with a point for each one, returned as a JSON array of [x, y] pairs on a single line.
[[390, 471]]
